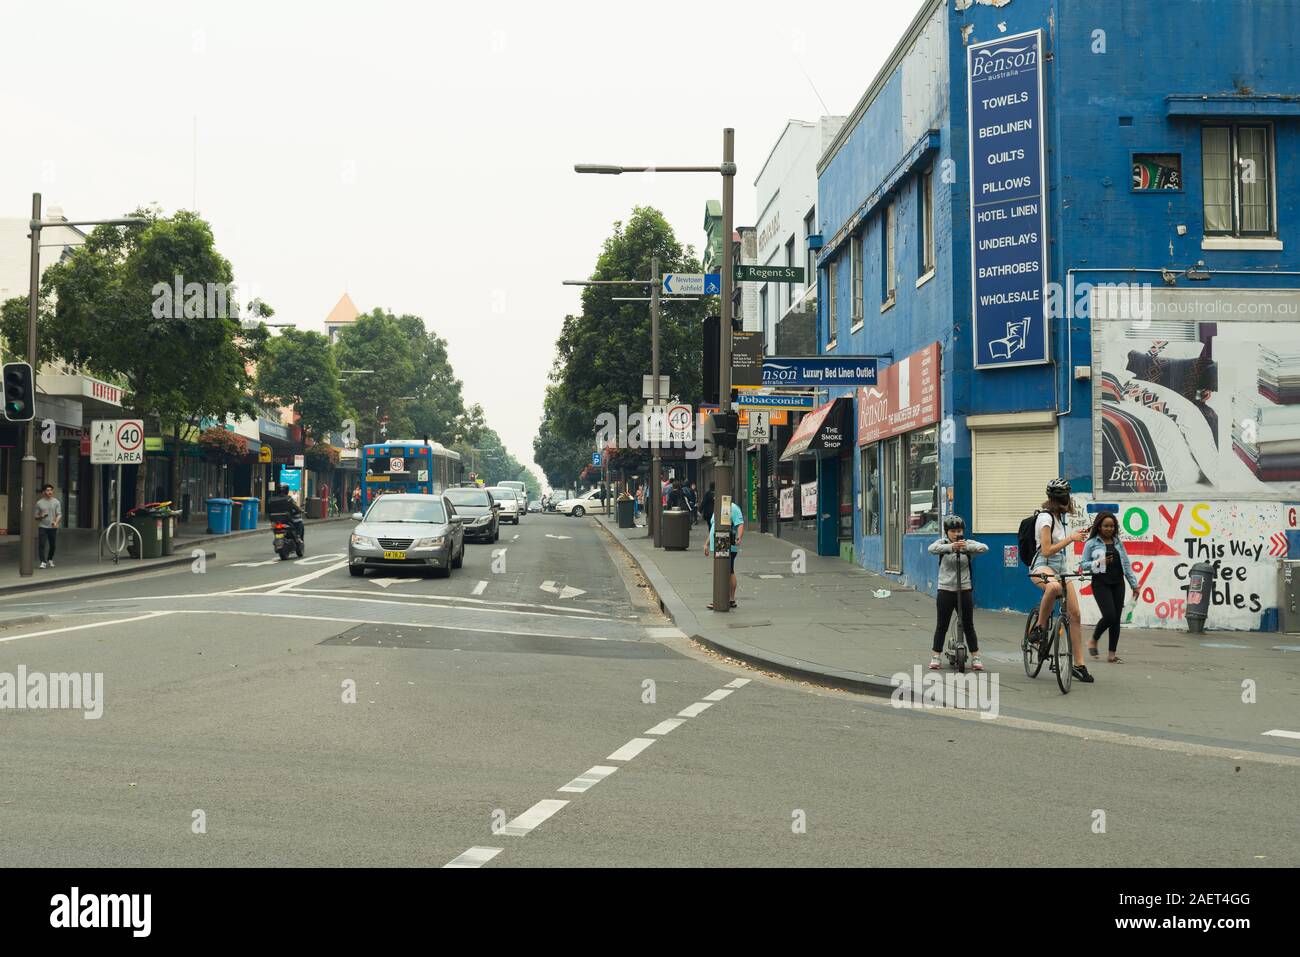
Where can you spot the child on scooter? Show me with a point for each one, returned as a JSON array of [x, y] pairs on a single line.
[[954, 551]]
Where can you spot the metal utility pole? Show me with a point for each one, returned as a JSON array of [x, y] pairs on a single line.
[[722, 467], [27, 508], [655, 517]]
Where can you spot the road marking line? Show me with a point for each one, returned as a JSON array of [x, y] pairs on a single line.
[[479, 588], [771, 576], [354, 598], [663, 727], [588, 779], [631, 749], [568, 591], [534, 816], [738, 683], [311, 576], [93, 624], [574, 609], [695, 710], [516, 537], [717, 695], [1283, 734], [365, 621], [665, 633], [317, 559], [474, 857]]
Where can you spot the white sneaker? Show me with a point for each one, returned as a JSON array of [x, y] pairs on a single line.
[[42, 564], [935, 663], [51, 562]]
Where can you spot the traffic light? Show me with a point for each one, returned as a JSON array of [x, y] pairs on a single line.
[[724, 429], [20, 396]]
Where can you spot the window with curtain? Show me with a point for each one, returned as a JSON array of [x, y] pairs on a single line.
[[855, 272], [1237, 179], [887, 255], [925, 208], [833, 303]]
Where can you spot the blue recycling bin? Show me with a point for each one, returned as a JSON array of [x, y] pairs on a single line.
[[219, 510], [249, 517]]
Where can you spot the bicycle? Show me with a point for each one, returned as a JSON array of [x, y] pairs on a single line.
[[956, 649], [1058, 625]]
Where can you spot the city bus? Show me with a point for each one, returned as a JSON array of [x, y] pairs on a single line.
[[407, 465]]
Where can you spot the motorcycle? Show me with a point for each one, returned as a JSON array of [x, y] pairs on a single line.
[[286, 540]]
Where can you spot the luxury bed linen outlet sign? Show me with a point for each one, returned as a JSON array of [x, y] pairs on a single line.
[[1008, 212]]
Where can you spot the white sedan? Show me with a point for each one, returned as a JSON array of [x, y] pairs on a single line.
[[580, 506], [509, 502]]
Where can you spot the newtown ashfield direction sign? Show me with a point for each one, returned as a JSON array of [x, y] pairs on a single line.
[[692, 284]]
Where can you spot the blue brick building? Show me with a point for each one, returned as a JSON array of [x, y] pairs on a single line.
[[1136, 329]]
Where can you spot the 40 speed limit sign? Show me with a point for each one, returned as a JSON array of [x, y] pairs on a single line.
[[117, 442]]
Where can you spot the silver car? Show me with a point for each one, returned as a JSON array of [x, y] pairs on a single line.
[[509, 501], [407, 531]]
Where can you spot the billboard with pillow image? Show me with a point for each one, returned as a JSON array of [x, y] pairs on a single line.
[[1193, 407]]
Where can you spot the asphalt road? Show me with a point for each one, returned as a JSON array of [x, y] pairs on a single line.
[[535, 709]]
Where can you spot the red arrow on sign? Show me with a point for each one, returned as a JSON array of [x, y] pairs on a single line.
[[1277, 544], [1154, 547]]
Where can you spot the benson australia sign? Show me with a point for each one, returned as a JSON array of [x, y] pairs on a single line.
[[906, 399], [1008, 212]]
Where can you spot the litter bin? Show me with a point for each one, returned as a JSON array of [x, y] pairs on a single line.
[[236, 513], [1200, 590], [219, 516], [243, 512], [148, 522], [252, 507], [626, 514], [314, 508], [168, 516], [676, 534]]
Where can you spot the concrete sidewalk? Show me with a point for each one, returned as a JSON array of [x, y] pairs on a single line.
[[824, 625], [77, 555]]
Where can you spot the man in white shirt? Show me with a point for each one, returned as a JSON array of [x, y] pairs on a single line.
[[49, 515]]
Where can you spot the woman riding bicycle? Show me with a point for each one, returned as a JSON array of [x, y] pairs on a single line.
[[1049, 566], [955, 551]]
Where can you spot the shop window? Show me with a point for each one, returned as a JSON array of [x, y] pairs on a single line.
[[1153, 172], [923, 480], [1237, 180], [871, 489]]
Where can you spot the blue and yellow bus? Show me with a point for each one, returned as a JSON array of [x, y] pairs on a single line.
[[407, 465]]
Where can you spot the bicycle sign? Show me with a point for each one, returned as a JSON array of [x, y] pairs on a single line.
[[117, 442]]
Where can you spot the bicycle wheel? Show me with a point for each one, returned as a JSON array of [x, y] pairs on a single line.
[[1033, 661], [1063, 655]]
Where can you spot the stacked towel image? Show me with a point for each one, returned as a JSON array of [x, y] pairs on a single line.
[[1266, 426]]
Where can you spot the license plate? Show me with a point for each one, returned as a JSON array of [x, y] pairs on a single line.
[[395, 556]]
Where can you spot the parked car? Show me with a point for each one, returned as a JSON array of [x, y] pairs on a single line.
[[479, 511], [584, 503], [508, 502], [423, 532]]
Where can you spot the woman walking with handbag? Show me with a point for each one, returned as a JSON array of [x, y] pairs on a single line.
[[1110, 568]]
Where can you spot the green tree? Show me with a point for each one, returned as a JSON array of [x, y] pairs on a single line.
[[118, 315], [602, 353], [298, 370], [377, 341], [438, 404]]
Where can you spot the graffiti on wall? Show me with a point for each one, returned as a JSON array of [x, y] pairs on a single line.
[[1243, 540]]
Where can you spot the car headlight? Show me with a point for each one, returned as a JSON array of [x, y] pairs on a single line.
[[362, 541], [437, 542], [482, 520]]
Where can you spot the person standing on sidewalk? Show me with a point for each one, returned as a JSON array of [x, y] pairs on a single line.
[[692, 501], [49, 515], [1110, 569], [706, 506], [954, 551], [737, 533]]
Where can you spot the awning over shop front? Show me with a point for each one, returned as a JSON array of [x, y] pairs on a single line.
[[822, 430]]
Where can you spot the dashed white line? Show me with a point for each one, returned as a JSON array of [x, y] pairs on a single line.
[[738, 683], [534, 816], [718, 695], [631, 749], [695, 710], [588, 779], [474, 857], [479, 588], [663, 727], [1276, 733]]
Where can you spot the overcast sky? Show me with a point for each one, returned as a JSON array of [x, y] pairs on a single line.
[[419, 156]]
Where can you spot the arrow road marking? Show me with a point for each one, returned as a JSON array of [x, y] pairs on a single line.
[[385, 582], [549, 535], [565, 592], [320, 559]]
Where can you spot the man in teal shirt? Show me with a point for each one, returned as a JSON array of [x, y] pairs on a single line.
[[737, 533]]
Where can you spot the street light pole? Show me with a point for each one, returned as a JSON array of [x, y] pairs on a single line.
[[27, 516], [722, 468], [655, 517]]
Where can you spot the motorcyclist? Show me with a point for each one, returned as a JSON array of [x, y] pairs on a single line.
[[280, 504]]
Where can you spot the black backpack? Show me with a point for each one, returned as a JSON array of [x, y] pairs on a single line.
[[1026, 540]]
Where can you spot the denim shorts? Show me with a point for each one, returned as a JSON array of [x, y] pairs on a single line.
[[1056, 563]]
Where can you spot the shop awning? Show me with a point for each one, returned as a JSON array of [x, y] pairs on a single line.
[[821, 430]]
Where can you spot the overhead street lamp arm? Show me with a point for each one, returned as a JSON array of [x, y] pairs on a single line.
[[608, 282], [128, 221], [616, 170]]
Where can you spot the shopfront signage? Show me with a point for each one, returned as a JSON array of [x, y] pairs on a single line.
[[1008, 200], [770, 400], [794, 371], [906, 399]]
